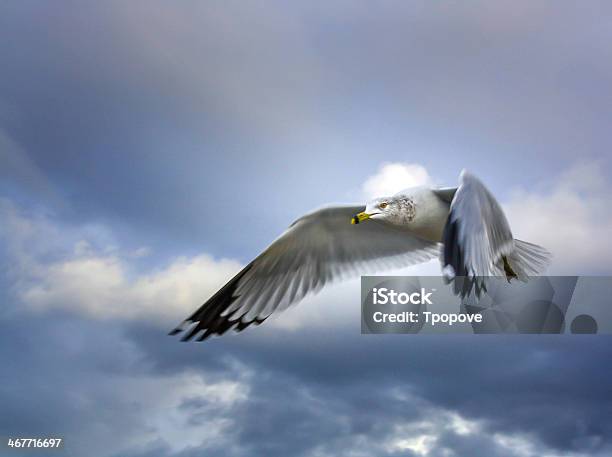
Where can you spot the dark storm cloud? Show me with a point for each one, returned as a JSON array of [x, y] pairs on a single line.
[[50, 382], [551, 387], [106, 388]]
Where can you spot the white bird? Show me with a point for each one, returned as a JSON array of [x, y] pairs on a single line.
[[464, 226]]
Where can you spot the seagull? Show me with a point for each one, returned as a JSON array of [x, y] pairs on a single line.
[[464, 226]]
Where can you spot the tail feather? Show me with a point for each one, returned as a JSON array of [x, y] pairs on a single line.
[[524, 261], [528, 259]]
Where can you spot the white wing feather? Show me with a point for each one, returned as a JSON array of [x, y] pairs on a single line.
[[477, 239], [483, 230], [318, 248]]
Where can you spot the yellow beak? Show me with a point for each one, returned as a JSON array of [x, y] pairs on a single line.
[[357, 218]]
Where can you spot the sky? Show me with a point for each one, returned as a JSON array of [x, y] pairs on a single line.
[[148, 150]]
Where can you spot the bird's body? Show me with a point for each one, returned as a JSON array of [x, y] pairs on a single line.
[[465, 227]]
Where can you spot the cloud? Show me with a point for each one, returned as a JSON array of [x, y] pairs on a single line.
[[247, 95], [103, 400], [126, 389], [102, 287], [76, 269], [393, 177], [142, 105], [571, 216], [307, 373]]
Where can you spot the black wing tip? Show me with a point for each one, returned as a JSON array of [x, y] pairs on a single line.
[[210, 318], [181, 327], [175, 331], [199, 332]]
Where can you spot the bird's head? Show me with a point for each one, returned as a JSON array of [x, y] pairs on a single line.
[[397, 210], [379, 208]]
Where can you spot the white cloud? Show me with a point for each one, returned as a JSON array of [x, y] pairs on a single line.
[[419, 445], [176, 424], [462, 426], [423, 436], [101, 282], [101, 287], [572, 218], [393, 177], [182, 410]]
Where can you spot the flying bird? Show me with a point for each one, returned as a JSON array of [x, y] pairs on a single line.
[[464, 226]]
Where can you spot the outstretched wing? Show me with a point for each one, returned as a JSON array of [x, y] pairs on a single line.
[[316, 249], [478, 241]]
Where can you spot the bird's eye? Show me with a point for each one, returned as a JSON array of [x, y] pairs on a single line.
[[383, 205]]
